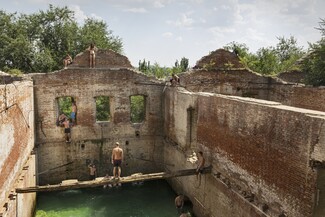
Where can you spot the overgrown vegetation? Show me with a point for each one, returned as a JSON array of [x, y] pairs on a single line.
[[38, 42], [103, 108], [287, 56], [138, 109], [314, 63], [162, 72], [270, 60], [64, 104]]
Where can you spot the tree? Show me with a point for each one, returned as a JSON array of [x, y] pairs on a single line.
[[38, 42], [162, 72], [96, 31], [269, 60], [248, 59], [314, 63]]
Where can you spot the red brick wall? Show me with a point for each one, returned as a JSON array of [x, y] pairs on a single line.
[[16, 136], [92, 140], [269, 147]]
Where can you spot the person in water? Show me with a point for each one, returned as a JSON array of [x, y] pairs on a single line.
[[183, 204]]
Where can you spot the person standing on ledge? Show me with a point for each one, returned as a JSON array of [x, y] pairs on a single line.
[[92, 171], [200, 165], [92, 55], [117, 158]]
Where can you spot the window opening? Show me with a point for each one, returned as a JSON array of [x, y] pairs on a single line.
[[103, 108], [65, 105], [137, 108]]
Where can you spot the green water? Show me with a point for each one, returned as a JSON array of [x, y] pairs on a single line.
[[151, 199]]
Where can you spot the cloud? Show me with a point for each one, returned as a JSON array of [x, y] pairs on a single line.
[[183, 21], [136, 10], [221, 31], [179, 38], [79, 14], [167, 35], [96, 17], [158, 4]]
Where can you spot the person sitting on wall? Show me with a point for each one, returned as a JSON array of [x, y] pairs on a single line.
[[174, 80], [67, 61]]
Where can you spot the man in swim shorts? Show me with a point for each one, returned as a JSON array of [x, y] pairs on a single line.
[[117, 158]]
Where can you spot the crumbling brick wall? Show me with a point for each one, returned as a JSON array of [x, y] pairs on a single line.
[[16, 143], [293, 76], [238, 81], [259, 150], [93, 141], [103, 59]]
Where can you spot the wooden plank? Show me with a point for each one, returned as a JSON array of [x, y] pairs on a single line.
[[74, 184]]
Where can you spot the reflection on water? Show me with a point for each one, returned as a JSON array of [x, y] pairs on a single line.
[[150, 199]]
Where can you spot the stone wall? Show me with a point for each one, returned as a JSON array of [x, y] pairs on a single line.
[[93, 141], [16, 144], [260, 152]]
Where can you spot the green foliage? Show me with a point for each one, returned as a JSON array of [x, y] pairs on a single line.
[[241, 49], [38, 42], [65, 105], [180, 67], [314, 63], [209, 66], [96, 31], [15, 72], [269, 60], [103, 108], [138, 109], [162, 72]]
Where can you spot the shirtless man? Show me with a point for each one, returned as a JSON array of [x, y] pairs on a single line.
[[92, 171], [67, 130], [117, 158], [92, 55], [200, 165]]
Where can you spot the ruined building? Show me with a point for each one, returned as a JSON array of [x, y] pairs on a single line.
[[263, 137]]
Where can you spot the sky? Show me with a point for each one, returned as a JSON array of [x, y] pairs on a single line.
[[163, 31]]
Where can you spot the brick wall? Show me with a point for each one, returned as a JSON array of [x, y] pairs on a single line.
[[16, 143], [242, 82], [256, 147], [91, 140], [292, 76], [103, 59], [238, 81]]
